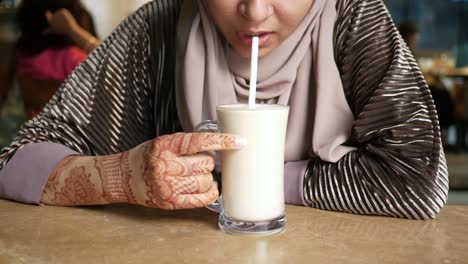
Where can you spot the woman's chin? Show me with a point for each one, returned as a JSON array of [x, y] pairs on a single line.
[[242, 50], [247, 52]]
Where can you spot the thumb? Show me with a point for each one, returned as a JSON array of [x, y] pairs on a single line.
[[191, 143]]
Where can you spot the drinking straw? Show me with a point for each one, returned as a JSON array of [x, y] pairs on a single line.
[[253, 72]]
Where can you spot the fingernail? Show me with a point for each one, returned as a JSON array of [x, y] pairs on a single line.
[[240, 141]]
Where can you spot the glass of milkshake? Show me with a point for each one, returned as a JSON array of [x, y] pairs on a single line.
[[252, 200]]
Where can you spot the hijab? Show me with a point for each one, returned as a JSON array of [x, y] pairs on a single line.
[[301, 72]]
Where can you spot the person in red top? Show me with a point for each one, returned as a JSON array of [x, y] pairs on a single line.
[[56, 35]]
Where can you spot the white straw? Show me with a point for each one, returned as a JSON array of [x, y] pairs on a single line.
[[253, 72]]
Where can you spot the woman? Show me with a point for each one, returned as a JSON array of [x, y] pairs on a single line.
[[56, 35], [379, 154]]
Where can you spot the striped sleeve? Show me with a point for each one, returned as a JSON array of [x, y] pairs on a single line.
[[399, 169]]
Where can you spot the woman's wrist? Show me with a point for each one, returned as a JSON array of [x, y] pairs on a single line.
[[134, 166], [116, 177], [79, 180]]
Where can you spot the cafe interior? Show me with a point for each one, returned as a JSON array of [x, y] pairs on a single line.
[[435, 31], [440, 45]]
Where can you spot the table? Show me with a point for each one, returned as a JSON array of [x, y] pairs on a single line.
[[132, 234]]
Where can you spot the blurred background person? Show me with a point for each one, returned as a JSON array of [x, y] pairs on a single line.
[[55, 36], [102, 18], [410, 33]]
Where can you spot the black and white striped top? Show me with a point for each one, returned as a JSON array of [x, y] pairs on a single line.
[[123, 95]]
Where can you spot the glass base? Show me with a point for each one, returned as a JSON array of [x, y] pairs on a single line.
[[217, 205], [243, 228]]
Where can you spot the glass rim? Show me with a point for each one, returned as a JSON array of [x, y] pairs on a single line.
[[259, 107]]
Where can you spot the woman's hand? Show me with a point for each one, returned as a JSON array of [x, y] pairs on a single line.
[[170, 172], [61, 22]]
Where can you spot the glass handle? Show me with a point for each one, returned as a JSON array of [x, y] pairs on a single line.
[[207, 126], [211, 127]]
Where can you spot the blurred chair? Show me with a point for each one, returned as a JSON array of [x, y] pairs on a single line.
[[36, 94]]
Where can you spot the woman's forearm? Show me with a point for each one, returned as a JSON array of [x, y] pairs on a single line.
[[399, 167], [79, 180], [83, 39], [166, 173]]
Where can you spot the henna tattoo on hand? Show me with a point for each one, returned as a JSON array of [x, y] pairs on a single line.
[[167, 172], [77, 190], [175, 181], [54, 178], [115, 174], [84, 181]]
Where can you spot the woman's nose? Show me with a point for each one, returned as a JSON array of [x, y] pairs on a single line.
[[255, 10]]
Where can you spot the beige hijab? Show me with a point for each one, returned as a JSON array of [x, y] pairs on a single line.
[[301, 73]]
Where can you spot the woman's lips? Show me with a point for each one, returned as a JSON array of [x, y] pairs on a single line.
[[246, 38]]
